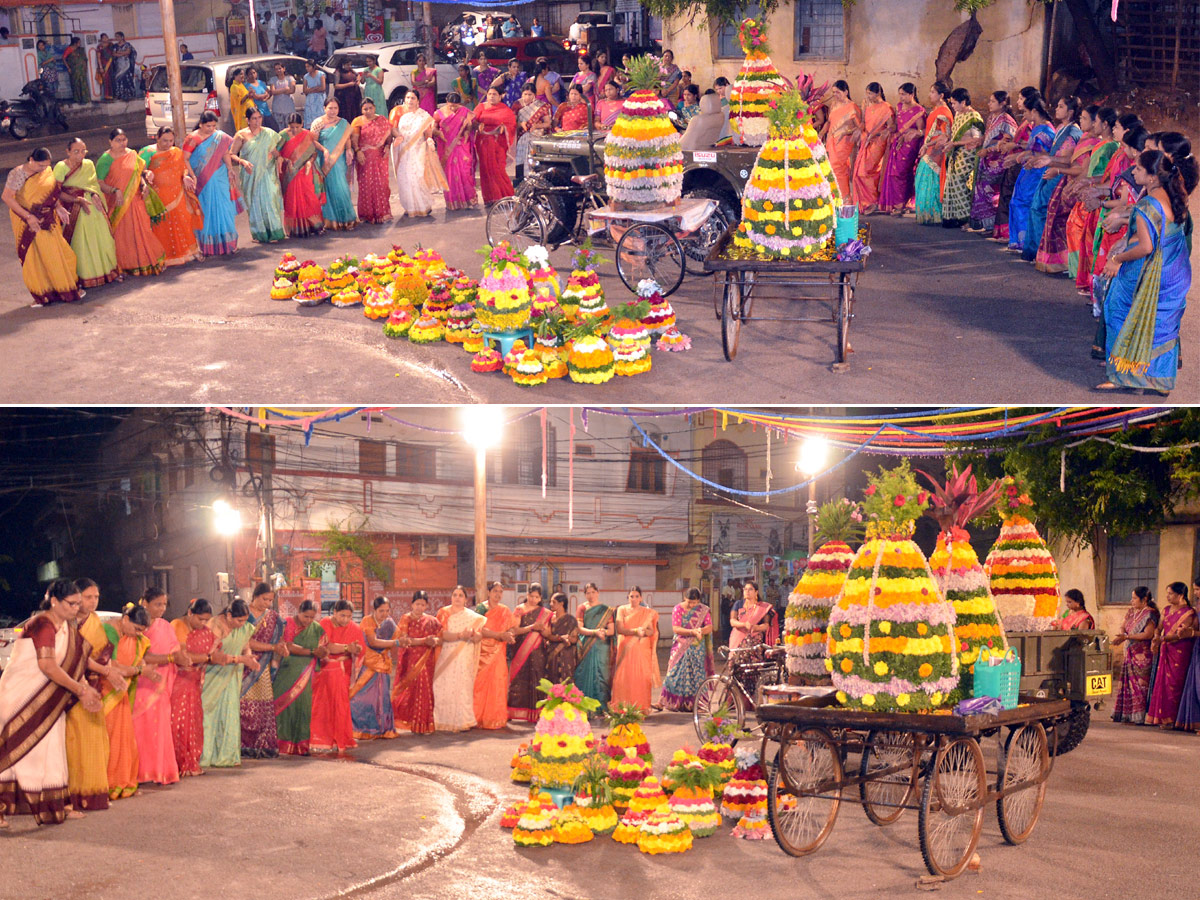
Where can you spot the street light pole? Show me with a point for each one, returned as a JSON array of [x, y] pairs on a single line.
[[480, 524], [174, 76]]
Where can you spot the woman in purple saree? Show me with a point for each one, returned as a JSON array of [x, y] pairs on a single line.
[[900, 164], [1001, 127], [451, 135], [1175, 642], [1137, 634]]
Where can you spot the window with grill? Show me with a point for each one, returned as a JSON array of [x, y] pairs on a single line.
[[372, 458], [820, 29], [522, 458], [416, 462], [1132, 561], [725, 463], [647, 472], [728, 46]]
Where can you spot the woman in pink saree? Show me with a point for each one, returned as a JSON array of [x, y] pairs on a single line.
[[900, 163], [451, 135], [527, 667], [424, 82], [1137, 634], [152, 701], [1174, 643], [879, 120], [754, 626]]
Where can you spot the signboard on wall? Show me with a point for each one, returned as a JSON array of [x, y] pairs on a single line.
[[310, 589], [737, 533]]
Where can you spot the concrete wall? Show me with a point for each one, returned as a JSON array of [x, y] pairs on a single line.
[[891, 42]]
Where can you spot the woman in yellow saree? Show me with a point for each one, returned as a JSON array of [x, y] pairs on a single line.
[[175, 183], [47, 261], [635, 673], [87, 229], [122, 172]]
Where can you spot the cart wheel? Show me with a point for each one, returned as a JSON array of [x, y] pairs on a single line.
[[731, 317], [1024, 759], [843, 316], [884, 798], [951, 813], [647, 250], [804, 791], [722, 285], [715, 691], [518, 223]]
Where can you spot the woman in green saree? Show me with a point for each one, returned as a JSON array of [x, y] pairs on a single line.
[[87, 230], [596, 628], [961, 160], [256, 150], [294, 679], [221, 694]]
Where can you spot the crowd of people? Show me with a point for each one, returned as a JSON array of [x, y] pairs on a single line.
[[90, 709], [1160, 673]]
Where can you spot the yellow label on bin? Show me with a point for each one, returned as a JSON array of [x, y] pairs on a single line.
[[1098, 684]]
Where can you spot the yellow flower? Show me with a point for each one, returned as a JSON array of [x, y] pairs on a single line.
[[925, 671], [881, 668], [828, 664], [885, 627], [936, 698], [868, 699], [902, 699], [841, 697], [847, 666]]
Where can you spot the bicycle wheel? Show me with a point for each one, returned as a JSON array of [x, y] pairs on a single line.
[[951, 813], [717, 691], [884, 797], [1024, 760], [843, 314], [804, 791], [647, 250], [696, 246], [519, 224]]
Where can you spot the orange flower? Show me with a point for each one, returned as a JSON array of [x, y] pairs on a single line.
[[922, 628], [847, 666], [845, 630], [925, 671]]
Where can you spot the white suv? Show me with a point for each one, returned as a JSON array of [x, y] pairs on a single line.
[[398, 61]]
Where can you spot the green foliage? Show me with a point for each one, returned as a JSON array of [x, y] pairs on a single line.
[[695, 775], [839, 520], [721, 726], [566, 692], [787, 115], [729, 12], [643, 72], [625, 713], [593, 780], [343, 537], [892, 501]]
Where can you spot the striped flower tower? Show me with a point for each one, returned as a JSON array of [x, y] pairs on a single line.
[[1022, 571], [807, 613], [959, 574], [643, 162], [756, 85], [891, 635]]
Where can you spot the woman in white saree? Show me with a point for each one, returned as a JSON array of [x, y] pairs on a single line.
[[454, 675]]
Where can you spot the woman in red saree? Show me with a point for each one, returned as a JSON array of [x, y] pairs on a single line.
[[1174, 644], [491, 679], [1077, 616], [43, 678], [175, 183], [332, 728], [303, 186], [495, 128], [879, 121], [636, 675], [48, 264], [370, 136], [1137, 634], [412, 697], [122, 174], [152, 702], [527, 667], [187, 709], [451, 135], [574, 114]]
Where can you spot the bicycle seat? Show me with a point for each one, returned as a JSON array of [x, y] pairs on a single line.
[[584, 179]]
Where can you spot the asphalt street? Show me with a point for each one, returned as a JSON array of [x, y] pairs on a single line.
[[417, 817], [13, 153], [940, 317]]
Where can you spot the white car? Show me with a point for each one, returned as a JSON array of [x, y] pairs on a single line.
[[397, 61]]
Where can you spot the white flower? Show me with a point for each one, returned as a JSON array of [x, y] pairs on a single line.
[[537, 256], [648, 287]]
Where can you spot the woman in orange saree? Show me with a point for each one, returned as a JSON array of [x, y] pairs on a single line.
[[175, 184], [527, 667], [87, 738], [879, 121], [121, 173], [491, 679], [845, 123], [48, 264], [412, 697], [187, 709], [152, 703], [130, 645], [636, 675], [332, 728], [371, 693]]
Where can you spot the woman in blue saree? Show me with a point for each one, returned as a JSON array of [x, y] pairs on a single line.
[[691, 660], [1030, 177], [1066, 136], [597, 624], [1150, 280], [210, 154], [333, 133], [371, 693]]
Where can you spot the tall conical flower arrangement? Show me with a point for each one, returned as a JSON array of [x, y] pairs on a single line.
[[959, 575], [807, 613], [1023, 575], [891, 634], [543, 280], [756, 85], [787, 206], [502, 302], [643, 162], [629, 751], [562, 738]]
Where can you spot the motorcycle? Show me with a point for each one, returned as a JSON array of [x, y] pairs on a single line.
[[36, 106]]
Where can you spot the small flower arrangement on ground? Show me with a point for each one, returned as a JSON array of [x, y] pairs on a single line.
[[593, 795]]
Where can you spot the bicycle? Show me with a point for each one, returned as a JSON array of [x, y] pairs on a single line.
[[735, 687]]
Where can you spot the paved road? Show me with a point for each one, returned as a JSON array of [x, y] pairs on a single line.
[[417, 818], [13, 153], [942, 317]]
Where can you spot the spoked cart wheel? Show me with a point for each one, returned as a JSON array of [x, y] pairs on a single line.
[[735, 309], [804, 791], [885, 797], [521, 224], [842, 315], [951, 812], [648, 250], [1024, 760], [715, 691]]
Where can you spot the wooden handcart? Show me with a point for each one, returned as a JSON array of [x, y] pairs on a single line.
[[740, 282], [934, 764]]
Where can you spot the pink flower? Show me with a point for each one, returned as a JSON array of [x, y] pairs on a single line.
[[900, 500], [870, 491]]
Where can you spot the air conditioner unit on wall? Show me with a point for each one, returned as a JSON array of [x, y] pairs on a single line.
[[434, 546]]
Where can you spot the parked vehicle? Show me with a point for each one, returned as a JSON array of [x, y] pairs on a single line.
[[206, 87], [35, 107], [475, 18], [398, 60], [526, 51]]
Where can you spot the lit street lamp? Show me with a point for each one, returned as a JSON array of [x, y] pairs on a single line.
[[227, 522], [483, 427], [814, 453]]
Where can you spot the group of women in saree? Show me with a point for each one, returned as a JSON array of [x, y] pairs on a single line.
[[1160, 672]]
